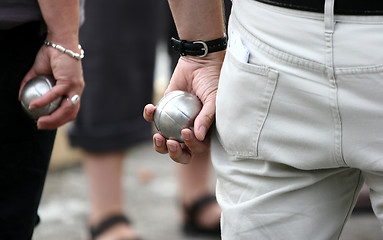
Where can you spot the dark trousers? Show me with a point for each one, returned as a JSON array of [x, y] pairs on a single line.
[[24, 151]]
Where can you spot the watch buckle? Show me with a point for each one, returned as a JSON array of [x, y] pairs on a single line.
[[204, 48]]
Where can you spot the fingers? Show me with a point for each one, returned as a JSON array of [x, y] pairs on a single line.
[[192, 148], [201, 124], [159, 143], [193, 144], [182, 152], [204, 120], [67, 110], [176, 150], [69, 83], [55, 93], [65, 113], [148, 113]]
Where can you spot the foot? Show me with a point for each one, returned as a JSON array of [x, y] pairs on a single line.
[[120, 231], [113, 228], [202, 217], [209, 216]]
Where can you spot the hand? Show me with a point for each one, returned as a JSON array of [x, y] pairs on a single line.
[[179, 152], [68, 73], [199, 76]]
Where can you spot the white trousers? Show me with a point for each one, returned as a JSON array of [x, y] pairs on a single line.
[[300, 115]]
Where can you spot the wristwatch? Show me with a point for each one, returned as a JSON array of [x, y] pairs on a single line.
[[198, 48]]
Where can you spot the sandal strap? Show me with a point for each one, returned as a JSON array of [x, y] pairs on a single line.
[[106, 224], [191, 226], [194, 209]]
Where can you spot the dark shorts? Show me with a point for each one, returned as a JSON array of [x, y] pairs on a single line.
[[119, 39]]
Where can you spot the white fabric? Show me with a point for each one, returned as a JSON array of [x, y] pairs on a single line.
[[301, 120]]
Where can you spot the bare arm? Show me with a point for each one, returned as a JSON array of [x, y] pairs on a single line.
[[62, 20], [198, 19], [195, 20]]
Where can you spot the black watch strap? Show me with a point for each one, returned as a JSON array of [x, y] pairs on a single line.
[[198, 48]]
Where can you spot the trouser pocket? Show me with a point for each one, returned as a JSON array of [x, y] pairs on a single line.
[[244, 96]]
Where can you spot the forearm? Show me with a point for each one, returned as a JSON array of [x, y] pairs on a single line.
[[63, 20], [198, 19]]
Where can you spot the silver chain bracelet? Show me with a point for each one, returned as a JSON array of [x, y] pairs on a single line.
[[78, 56]]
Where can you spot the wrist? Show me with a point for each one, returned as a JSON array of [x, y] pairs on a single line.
[[77, 53], [216, 57], [67, 39], [62, 18], [199, 48]]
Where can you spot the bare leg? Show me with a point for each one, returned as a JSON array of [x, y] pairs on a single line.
[[194, 183], [103, 172]]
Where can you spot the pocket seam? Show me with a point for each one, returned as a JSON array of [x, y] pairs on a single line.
[[270, 86]]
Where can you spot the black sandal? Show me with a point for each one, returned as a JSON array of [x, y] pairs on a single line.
[[107, 224], [191, 226]]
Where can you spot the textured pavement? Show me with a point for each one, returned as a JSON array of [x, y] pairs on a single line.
[[150, 191]]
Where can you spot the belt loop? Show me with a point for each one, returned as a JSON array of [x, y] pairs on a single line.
[[329, 16], [328, 36]]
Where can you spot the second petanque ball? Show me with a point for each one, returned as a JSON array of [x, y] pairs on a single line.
[[35, 88], [174, 112]]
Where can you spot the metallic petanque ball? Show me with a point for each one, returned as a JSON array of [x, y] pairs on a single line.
[[35, 88], [174, 112]]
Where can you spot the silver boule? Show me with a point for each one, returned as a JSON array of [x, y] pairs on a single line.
[[35, 88], [174, 112]]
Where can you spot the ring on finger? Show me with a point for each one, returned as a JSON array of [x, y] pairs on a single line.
[[74, 99]]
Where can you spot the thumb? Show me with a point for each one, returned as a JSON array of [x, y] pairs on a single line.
[[204, 120]]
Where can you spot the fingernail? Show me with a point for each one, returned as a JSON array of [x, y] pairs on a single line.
[[187, 136], [202, 130], [158, 142], [172, 147]]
